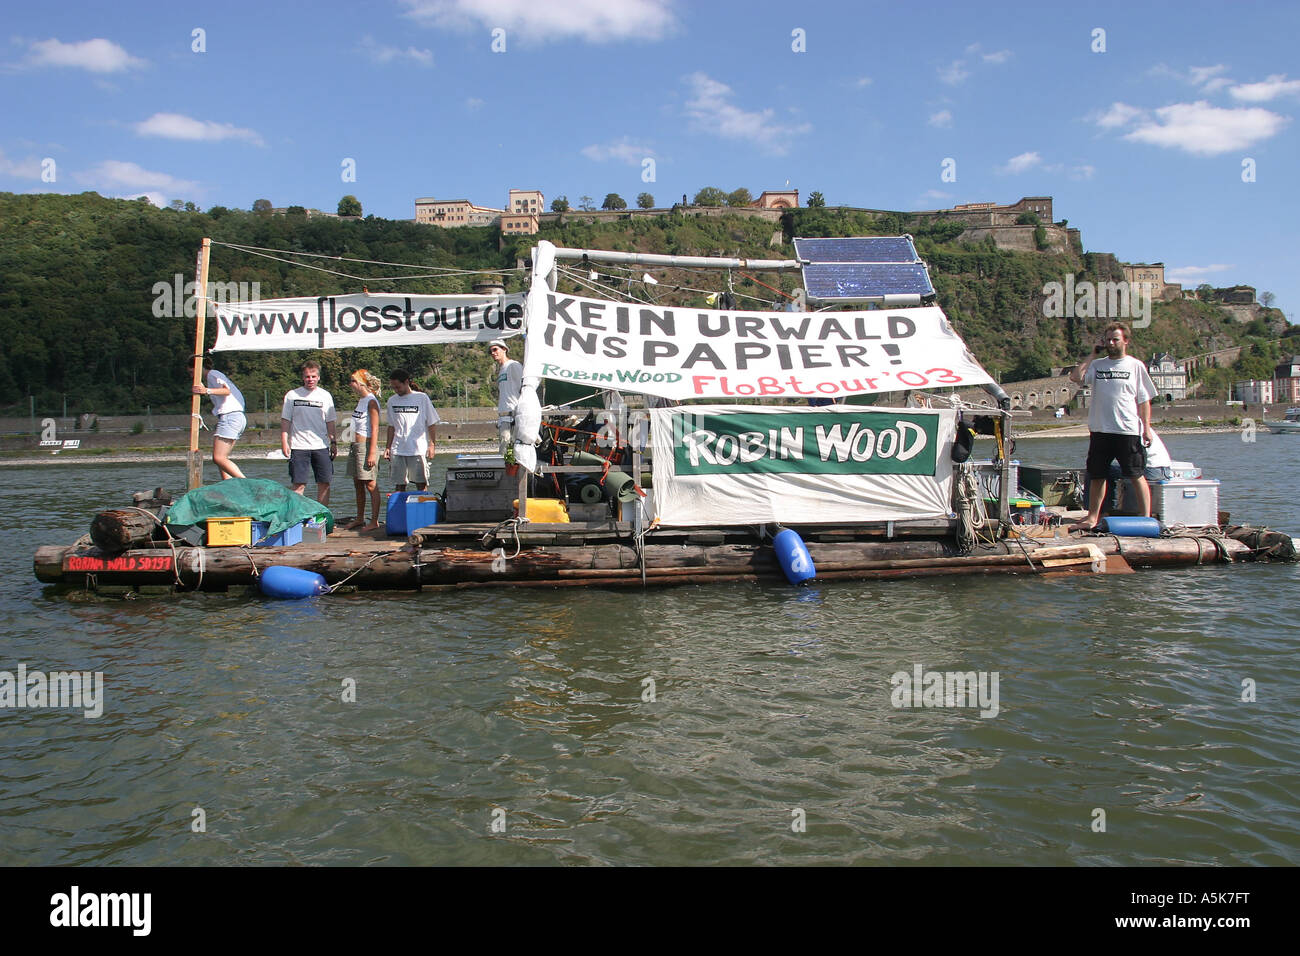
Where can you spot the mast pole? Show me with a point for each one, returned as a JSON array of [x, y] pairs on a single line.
[[195, 459]]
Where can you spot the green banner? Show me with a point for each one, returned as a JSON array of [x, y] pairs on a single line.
[[814, 443]]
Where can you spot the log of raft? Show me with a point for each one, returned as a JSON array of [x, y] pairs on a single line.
[[389, 565], [123, 529]]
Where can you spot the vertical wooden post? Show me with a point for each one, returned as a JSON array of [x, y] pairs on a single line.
[[195, 461]]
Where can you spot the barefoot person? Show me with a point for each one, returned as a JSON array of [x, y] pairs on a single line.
[[306, 418], [1119, 419], [410, 416], [510, 380], [228, 406], [363, 461]]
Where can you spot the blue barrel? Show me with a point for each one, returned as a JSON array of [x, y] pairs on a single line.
[[793, 556], [291, 583], [1131, 526]]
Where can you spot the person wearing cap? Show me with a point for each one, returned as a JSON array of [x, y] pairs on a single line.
[[510, 382]]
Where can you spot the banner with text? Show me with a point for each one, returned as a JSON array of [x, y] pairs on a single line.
[[748, 464], [681, 353], [363, 320]]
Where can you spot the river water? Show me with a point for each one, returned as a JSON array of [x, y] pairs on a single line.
[[708, 724]]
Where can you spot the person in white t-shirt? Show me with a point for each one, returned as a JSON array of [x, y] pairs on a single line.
[[363, 460], [411, 417], [1119, 419], [307, 434], [510, 382], [228, 406]]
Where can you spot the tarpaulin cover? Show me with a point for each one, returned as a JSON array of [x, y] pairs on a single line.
[[256, 498]]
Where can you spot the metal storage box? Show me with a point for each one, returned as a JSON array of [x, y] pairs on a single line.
[[478, 489], [990, 473], [1190, 501]]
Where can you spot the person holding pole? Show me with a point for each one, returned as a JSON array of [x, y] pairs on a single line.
[[228, 406]]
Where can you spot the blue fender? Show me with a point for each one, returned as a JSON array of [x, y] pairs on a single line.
[[291, 583], [793, 556]]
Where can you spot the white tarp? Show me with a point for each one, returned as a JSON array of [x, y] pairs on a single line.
[[745, 465], [363, 320], [680, 353]]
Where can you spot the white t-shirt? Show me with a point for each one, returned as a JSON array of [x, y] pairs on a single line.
[[1157, 453], [307, 412], [1118, 387], [224, 404], [410, 416], [510, 381], [361, 416]]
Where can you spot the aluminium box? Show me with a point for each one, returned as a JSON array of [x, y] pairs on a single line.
[[1188, 501], [478, 489], [990, 476]]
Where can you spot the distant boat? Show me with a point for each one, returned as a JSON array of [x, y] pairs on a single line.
[[1287, 426]]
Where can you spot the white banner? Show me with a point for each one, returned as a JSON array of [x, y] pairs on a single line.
[[750, 464], [681, 353], [362, 320]]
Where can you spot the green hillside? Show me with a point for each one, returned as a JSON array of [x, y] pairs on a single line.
[[78, 276]]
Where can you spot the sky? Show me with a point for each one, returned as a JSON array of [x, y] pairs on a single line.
[[1166, 132]]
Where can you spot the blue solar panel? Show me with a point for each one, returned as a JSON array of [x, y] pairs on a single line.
[[860, 280], [860, 249]]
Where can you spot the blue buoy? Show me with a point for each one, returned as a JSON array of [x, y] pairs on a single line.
[[1131, 526], [291, 583], [793, 556]]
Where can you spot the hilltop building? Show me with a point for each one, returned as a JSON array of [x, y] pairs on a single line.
[[454, 212], [777, 199], [1254, 392], [1149, 277]]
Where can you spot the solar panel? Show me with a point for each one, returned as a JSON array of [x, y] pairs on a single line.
[[859, 249], [861, 280]]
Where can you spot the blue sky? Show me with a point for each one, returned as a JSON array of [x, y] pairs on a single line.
[[1140, 131]]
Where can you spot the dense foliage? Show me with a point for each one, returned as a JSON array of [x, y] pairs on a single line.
[[78, 278]]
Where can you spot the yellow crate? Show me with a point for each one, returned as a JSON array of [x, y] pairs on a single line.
[[546, 510], [227, 532]]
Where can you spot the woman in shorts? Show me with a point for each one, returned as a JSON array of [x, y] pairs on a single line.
[[228, 406], [363, 462]]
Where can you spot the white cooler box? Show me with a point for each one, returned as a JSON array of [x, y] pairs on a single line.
[[1190, 501]]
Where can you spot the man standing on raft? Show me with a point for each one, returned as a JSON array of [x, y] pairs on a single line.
[[510, 381], [1119, 419]]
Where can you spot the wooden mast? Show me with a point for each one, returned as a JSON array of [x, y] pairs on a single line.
[[195, 459]]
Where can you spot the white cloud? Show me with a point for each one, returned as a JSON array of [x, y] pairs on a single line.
[[863, 81], [29, 168], [1208, 78], [1119, 114], [999, 56], [177, 126], [594, 21], [1083, 171], [1022, 163], [958, 71], [954, 73], [1204, 130], [158, 199], [388, 54], [1273, 87], [1200, 75], [117, 175], [473, 104], [941, 119], [623, 150], [712, 111], [1194, 274], [97, 56]]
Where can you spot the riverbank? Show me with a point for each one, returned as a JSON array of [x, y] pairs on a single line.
[[252, 453]]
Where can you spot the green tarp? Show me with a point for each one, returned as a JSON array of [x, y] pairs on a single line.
[[256, 498]]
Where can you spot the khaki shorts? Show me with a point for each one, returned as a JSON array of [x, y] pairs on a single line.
[[410, 469], [357, 462]]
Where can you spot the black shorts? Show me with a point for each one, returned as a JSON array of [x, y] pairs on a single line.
[[310, 461], [1128, 450]]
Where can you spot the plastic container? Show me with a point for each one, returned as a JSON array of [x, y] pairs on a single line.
[[546, 510], [792, 554], [229, 532], [291, 583], [313, 531], [395, 514], [1131, 526], [422, 509], [287, 538]]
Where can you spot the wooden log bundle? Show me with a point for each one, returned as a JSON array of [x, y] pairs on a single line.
[[123, 529]]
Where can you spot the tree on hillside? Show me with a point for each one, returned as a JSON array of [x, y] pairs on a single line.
[[560, 204], [1205, 292], [298, 212], [739, 197], [584, 203], [1266, 299], [262, 206], [613, 201], [349, 206], [816, 200], [647, 201], [1028, 219], [709, 196]]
